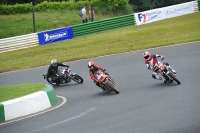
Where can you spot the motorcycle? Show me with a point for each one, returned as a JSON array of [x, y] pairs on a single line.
[[105, 82], [65, 75], [166, 72]]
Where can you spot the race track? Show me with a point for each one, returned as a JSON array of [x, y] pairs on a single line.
[[144, 105]]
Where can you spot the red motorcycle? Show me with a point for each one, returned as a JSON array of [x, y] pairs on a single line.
[[105, 81]]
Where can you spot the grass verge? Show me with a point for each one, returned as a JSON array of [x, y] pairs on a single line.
[[20, 24], [15, 91]]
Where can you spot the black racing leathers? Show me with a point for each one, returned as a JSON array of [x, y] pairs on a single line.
[[52, 71]]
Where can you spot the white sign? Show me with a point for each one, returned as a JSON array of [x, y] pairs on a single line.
[[163, 13]]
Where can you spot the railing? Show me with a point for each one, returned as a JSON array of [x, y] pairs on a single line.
[[198, 4], [102, 25], [18, 42]]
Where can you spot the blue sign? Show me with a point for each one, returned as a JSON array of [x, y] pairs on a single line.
[[55, 35]]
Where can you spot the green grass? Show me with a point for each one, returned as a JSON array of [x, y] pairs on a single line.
[[6, 92], [20, 24], [161, 33]]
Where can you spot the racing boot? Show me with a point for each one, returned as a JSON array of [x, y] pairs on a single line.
[[163, 79], [103, 88]]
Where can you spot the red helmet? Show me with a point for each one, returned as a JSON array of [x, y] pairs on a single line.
[[147, 55], [90, 64]]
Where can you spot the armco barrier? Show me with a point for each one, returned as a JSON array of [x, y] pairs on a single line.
[[196, 6], [28, 104], [18, 42], [102, 25]]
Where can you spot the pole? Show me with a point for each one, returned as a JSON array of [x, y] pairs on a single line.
[[33, 15], [92, 14]]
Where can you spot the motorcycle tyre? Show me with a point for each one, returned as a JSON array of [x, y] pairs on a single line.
[[79, 78], [54, 84], [112, 87], [172, 76]]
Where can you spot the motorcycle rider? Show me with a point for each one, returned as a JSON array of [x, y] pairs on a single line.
[[151, 60], [53, 71], [93, 68]]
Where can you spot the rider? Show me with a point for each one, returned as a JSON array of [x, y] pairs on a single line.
[[53, 69], [93, 68], [150, 61]]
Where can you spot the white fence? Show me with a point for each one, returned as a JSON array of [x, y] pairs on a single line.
[[18, 42], [196, 9]]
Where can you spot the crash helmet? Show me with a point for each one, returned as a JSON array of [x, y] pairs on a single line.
[[90, 64], [147, 55], [54, 63]]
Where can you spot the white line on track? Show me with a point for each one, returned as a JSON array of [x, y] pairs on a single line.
[[67, 120], [35, 114]]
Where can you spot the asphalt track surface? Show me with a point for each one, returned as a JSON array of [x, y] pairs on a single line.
[[144, 105]]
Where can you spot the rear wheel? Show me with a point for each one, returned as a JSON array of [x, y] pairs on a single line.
[[112, 87], [51, 81], [78, 79], [174, 78]]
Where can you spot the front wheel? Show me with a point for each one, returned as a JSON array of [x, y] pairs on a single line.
[[174, 78], [112, 87], [78, 79]]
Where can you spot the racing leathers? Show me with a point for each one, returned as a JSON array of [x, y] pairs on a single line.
[[152, 62], [92, 71], [53, 72]]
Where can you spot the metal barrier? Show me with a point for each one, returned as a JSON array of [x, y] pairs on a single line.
[[196, 6], [198, 3], [102, 25], [18, 42]]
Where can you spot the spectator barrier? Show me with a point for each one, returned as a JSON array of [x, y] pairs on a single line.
[[55, 35], [30, 40], [198, 3], [18, 42], [166, 12], [102, 25]]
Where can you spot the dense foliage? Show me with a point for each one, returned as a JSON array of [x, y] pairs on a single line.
[[143, 5], [137, 5]]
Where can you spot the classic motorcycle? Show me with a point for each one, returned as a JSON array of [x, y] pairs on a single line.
[[65, 75], [166, 72], [105, 82]]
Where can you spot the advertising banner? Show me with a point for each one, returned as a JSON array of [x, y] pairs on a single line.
[[163, 13], [55, 35]]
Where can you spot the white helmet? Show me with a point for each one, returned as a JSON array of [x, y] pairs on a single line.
[[54, 63]]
